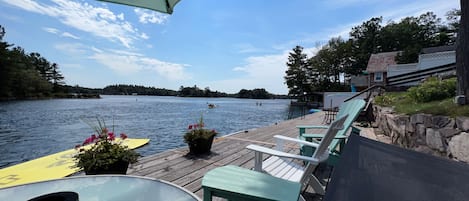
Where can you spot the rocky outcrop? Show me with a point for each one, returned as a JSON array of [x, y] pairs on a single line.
[[438, 135]]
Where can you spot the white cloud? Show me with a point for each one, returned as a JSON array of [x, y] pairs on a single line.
[[147, 16], [144, 36], [125, 62], [75, 49], [96, 50], [69, 35], [239, 69], [51, 30], [120, 16], [56, 31], [265, 71], [100, 22], [260, 72]]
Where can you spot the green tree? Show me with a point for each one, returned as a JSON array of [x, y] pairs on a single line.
[[254, 94], [415, 33], [298, 73], [330, 64], [365, 41], [56, 77], [5, 66], [29, 84], [22, 75], [41, 65], [453, 16]]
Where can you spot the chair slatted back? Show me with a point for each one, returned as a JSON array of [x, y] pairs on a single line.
[[351, 108], [322, 152], [335, 127]]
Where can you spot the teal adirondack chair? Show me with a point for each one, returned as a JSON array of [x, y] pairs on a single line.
[[351, 108], [285, 178]]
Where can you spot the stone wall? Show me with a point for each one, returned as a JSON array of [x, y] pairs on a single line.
[[437, 135]]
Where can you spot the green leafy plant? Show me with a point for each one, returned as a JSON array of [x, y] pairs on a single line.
[[390, 98], [197, 131], [104, 150], [433, 89]]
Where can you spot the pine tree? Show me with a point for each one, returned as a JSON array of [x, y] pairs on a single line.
[[298, 73]]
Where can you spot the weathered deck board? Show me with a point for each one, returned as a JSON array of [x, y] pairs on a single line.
[[186, 171]]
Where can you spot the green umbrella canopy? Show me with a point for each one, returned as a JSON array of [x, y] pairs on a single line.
[[164, 6]]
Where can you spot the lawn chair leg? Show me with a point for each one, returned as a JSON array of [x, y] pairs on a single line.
[[301, 198], [317, 186], [207, 195]]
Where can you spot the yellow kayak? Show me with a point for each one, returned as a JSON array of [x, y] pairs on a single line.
[[53, 166]]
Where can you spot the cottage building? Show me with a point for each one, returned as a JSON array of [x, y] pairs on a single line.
[[433, 61], [378, 67]]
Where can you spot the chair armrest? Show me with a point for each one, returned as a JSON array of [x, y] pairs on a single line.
[[316, 136], [312, 127], [303, 142], [272, 152]]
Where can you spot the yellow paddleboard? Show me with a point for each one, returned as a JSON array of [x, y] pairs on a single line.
[[53, 166]]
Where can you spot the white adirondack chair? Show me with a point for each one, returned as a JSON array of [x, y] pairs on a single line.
[[281, 165]]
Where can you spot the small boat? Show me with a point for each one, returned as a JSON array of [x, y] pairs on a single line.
[[211, 106]]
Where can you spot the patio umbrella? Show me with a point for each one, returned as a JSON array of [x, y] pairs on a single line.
[[164, 6]]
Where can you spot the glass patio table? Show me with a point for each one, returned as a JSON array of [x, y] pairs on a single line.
[[98, 187]]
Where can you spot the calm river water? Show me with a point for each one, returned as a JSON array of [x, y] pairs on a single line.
[[31, 129]]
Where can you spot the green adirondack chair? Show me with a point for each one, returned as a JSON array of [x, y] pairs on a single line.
[[351, 108], [284, 180]]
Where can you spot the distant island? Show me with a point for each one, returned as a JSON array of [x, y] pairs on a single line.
[[122, 89]]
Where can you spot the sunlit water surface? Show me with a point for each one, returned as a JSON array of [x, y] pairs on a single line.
[[31, 129]]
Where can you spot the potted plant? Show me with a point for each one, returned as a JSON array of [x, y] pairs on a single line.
[[105, 154], [198, 138]]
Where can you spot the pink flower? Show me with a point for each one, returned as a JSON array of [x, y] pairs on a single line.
[[111, 136], [190, 127], [88, 141], [123, 136]]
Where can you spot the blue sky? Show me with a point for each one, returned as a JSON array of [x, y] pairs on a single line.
[[226, 45]]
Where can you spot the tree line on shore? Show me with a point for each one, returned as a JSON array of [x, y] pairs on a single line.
[[123, 89], [339, 59], [24, 75]]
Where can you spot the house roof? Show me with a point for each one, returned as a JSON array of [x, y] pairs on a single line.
[[445, 48], [380, 62]]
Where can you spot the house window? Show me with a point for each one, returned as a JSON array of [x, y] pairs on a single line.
[[378, 77]]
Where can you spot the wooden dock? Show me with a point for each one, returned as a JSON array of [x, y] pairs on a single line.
[[177, 167]]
